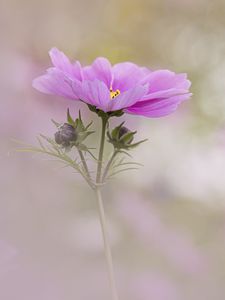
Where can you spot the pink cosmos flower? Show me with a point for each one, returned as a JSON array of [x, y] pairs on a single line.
[[122, 87]]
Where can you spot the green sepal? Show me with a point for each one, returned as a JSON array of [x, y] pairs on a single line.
[[86, 128], [138, 143], [115, 132], [70, 119], [116, 113], [105, 115], [128, 137]]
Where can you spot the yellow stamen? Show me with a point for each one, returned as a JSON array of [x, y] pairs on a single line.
[[114, 94]]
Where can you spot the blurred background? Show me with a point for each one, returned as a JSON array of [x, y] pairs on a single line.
[[166, 220]]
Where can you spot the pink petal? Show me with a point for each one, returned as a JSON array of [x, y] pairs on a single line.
[[164, 79], [100, 70], [128, 98], [96, 93], [62, 63], [164, 94], [126, 75], [157, 108], [54, 82]]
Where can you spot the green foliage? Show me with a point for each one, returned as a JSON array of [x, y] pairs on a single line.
[[49, 147], [73, 133]]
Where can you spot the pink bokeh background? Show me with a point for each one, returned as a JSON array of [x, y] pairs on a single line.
[[166, 221]]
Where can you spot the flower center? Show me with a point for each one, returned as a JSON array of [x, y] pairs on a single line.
[[114, 94]]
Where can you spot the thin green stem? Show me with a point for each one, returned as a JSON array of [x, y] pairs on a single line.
[[107, 249], [115, 152], [101, 150], [87, 173]]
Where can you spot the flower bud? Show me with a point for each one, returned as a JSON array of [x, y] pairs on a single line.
[[65, 135], [122, 132], [121, 138], [72, 133]]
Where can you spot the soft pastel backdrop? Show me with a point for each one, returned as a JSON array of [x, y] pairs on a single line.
[[166, 220]]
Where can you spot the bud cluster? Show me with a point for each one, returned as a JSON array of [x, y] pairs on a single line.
[[121, 138], [72, 133]]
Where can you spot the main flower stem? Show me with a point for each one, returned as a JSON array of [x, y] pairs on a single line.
[[101, 150], [107, 249]]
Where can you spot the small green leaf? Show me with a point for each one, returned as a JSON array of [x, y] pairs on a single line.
[[115, 131], [125, 152], [69, 118], [127, 163], [40, 143], [88, 125], [138, 143], [56, 123], [128, 137], [120, 171]]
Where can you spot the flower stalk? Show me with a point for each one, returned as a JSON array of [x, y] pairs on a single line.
[[101, 149], [107, 250]]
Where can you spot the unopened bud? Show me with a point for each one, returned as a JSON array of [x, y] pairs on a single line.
[[65, 135], [121, 137], [124, 130]]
